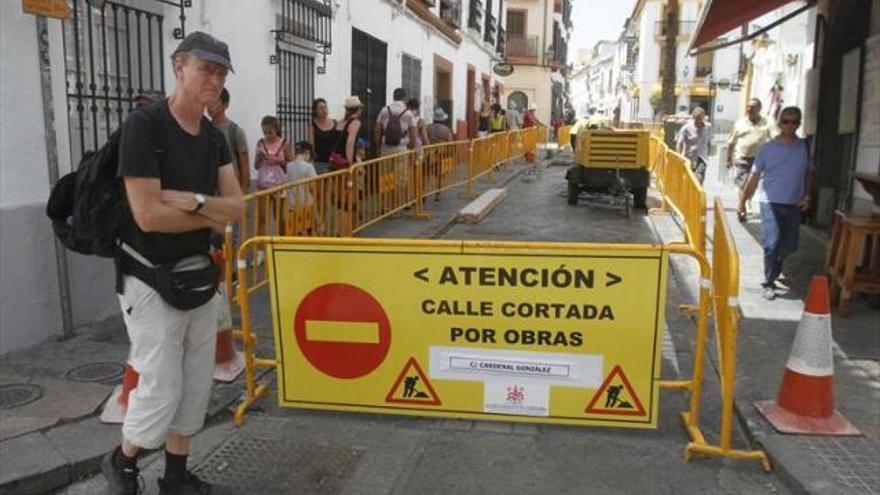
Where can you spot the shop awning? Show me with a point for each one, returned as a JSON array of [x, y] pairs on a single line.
[[721, 16]]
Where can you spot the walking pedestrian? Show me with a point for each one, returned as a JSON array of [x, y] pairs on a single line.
[[497, 122], [438, 131], [783, 169], [693, 142], [530, 118], [175, 199], [235, 137], [580, 125], [394, 132], [483, 119], [421, 131], [322, 135], [514, 117], [748, 134]]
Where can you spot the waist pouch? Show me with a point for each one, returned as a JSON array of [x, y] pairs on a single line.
[[184, 284]]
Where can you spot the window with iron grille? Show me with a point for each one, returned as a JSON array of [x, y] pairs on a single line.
[[450, 11], [306, 24], [489, 28], [111, 54], [295, 90], [412, 76]]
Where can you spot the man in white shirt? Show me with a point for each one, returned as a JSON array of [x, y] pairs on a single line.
[[693, 141], [749, 133], [514, 117], [394, 131]]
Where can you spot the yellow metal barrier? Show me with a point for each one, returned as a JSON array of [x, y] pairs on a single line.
[[345, 202], [444, 166], [381, 187], [682, 193], [315, 206], [563, 136], [725, 308]]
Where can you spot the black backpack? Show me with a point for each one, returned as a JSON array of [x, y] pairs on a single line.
[[88, 206], [393, 130]]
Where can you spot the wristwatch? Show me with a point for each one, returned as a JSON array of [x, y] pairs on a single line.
[[200, 201]]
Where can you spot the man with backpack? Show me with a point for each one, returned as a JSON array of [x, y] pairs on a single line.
[[394, 131], [180, 184], [235, 136]]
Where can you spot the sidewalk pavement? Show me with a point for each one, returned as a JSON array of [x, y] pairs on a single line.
[[56, 440], [808, 464]]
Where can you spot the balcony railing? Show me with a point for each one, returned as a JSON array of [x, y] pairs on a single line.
[[522, 47], [489, 32], [450, 11], [475, 15], [685, 28]]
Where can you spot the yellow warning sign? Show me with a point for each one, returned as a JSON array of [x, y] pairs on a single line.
[[616, 397], [412, 387], [518, 331]]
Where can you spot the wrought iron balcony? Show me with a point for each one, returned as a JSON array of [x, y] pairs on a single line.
[[450, 11], [475, 15], [522, 48], [501, 47], [489, 31]]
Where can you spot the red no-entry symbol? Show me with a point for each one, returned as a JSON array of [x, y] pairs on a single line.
[[342, 330]]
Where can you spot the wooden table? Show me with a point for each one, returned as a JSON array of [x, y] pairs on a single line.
[[854, 238]]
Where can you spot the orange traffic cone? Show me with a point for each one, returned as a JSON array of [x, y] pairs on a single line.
[[229, 362], [805, 404], [116, 405]]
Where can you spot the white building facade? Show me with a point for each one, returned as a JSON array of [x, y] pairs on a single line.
[[604, 71], [285, 53], [709, 80], [537, 35]]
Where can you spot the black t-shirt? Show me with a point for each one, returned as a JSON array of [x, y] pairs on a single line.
[[181, 161]]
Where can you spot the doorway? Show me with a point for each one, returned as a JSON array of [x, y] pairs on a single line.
[[369, 62], [443, 88], [520, 99]]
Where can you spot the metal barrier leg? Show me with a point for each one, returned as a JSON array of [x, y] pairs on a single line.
[[418, 176], [469, 188], [253, 392]]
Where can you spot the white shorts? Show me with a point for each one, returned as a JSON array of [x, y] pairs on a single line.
[[173, 352]]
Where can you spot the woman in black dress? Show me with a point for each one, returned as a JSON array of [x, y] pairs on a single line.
[[322, 135]]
